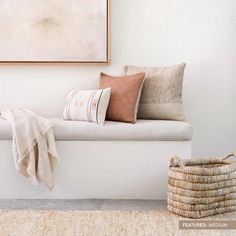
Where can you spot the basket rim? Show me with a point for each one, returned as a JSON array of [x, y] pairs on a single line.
[[194, 166]]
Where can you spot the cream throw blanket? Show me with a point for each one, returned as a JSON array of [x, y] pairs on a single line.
[[34, 147]]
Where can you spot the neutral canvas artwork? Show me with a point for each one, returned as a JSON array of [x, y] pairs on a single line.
[[53, 30]]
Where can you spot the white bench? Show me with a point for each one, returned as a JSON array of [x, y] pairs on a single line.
[[114, 161]]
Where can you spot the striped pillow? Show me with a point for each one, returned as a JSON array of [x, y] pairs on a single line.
[[87, 105]]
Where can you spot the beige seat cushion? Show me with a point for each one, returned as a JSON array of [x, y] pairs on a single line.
[[162, 92], [143, 130]]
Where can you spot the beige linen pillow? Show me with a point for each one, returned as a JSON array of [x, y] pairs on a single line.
[[125, 95], [162, 92], [87, 105]]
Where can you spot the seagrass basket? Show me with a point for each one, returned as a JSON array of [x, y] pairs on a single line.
[[202, 187]]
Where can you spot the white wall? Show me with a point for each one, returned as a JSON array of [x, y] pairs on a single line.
[[153, 33]]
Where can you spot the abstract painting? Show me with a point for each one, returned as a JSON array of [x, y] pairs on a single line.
[[54, 31]]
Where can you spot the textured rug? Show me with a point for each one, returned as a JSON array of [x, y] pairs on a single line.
[[98, 223]]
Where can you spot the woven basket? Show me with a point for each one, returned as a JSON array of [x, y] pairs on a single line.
[[202, 187]]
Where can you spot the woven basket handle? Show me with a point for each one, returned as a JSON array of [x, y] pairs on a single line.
[[175, 161], [229, 155]]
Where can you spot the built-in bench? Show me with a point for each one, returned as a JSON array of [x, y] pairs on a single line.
[[117, 160]]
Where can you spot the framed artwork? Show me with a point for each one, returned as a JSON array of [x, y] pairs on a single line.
[[54, 31]]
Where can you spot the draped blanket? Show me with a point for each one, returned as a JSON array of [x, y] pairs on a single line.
[[34, 147]]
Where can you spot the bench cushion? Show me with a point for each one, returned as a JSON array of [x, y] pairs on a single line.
[[143, 130]]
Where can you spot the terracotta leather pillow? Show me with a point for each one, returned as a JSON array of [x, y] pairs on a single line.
[[125, 95]]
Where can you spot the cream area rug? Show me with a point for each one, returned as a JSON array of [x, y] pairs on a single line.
[[98, 223]]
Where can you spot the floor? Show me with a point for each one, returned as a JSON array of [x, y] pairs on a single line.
[[105, 205]]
